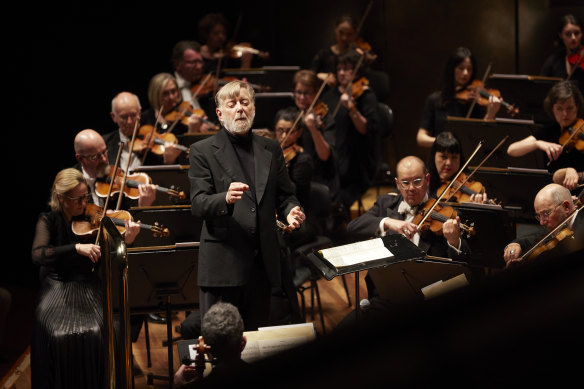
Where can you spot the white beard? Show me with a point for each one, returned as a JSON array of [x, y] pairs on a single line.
[[239, 127]]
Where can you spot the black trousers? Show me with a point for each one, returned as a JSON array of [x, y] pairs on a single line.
[[252, 300]]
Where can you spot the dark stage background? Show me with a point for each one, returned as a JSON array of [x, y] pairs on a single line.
[[71, 59]]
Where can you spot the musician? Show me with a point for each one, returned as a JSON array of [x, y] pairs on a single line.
[[324, 61], [319, 132], [164, 98], [565, 104], [67, 348], [393, 212], [569, 46], [222, 330], [553, 204], [444, 163], [126, 111], [356, 122], [459, 73], [569, 177], [92, 155], [213, 32], [238, 184]]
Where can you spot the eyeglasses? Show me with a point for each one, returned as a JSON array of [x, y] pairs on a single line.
[[545, 214], [79, 199], [95, 157], [303, 93], [417, 182]]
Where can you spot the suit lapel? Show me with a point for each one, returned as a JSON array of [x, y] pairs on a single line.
[[227, 159], [263, 160]]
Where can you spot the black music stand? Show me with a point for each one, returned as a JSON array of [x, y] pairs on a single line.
[[163, 280], [493, 228], [401, 248], [526, 92], [471, 131], [277, 78], [183, 226], [514, 188], [168, 176], [267, 104]]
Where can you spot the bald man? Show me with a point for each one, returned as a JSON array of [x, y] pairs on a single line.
[[126, 111], [92, 154], [553, 205], [392, 213]]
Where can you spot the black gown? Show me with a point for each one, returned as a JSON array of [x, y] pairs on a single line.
[[67, 349]]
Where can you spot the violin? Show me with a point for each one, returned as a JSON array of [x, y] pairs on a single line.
[[291, 152], [550, 244], [436, 219], [131, 185], [183, 112], [149, 139], [462, 193], [358, 87], [91, 221], [469, 94], [573, 136], [576, 59]]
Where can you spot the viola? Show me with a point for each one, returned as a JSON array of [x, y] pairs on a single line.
[[436, 219], [131, 185], [573, 136], [91, 221], [462, 193], [469, 94], [182, 112], [149, 139]]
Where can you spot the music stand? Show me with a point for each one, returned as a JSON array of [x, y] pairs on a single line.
[[401, 248], [183, 226], [168, 176], [471, 131], [277, 78], [267, 104], [527, 92], [163, 280]]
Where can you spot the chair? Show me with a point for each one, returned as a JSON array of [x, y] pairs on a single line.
[[304, 272]]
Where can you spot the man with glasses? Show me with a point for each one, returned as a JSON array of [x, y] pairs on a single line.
[[393, 213], [553, 205]]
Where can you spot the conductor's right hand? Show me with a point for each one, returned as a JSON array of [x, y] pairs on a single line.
[[235, 192]]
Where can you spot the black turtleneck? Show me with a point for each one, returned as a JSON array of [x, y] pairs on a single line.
[[243, 146]]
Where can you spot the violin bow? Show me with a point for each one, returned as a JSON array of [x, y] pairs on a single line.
[[362, 21], [130, 155], [477, 95], [449, 185], [574, 132], [350, 83], [148, 141], [301, 113], [201, 85], [478, 166], [575, 66]]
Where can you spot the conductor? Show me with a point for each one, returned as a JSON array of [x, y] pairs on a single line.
[[239, 186]]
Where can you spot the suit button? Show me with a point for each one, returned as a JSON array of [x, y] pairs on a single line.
[[252, 209]]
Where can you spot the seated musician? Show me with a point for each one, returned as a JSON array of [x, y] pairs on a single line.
[[460, 71], [319, 131], [393, 213], [569, 177], [553, 205], [444, 163], [126, 111], [167, 110], [565, 104], [222, 330], [357, 142], [92, 155]]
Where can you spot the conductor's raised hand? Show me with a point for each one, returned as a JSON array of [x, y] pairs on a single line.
[[235, 192], [295, 217]]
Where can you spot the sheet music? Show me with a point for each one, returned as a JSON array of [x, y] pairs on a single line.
[[354, 253], [268, 341]]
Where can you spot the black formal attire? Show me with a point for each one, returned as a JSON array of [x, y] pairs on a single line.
[[569, 158], [67, 349], [555, 66], [358, 154], [564, 247], [324, 61], [435, 113], [239, 257]]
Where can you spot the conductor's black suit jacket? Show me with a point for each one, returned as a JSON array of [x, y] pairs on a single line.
[[233, 234]]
